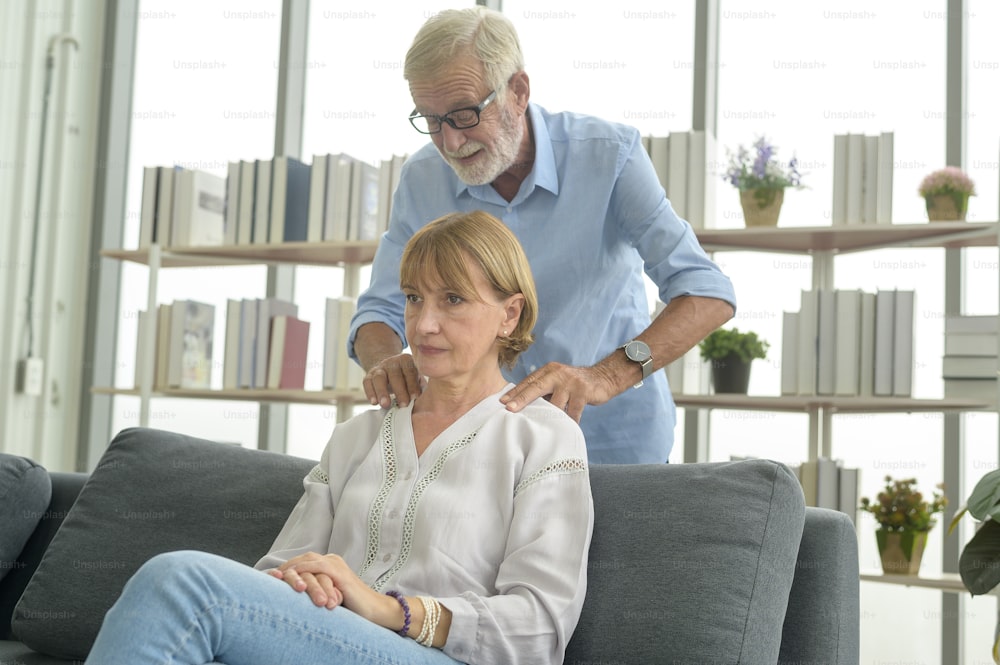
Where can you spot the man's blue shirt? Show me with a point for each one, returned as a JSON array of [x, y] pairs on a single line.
[[591, 216]]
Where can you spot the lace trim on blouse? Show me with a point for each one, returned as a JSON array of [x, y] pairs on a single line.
[[388, 481], [319, 475], [409, 517], [568, 465]]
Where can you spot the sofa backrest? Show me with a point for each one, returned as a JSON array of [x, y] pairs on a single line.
[[694, 562]]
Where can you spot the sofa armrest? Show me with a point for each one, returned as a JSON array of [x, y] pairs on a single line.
[[65, 488], [822, 624]]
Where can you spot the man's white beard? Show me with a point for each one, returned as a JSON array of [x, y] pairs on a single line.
[[494, 162]]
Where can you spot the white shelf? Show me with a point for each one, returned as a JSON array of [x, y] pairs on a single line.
[[248, 395], [851, 238], [951, 582], [304, 253], [833, 404]]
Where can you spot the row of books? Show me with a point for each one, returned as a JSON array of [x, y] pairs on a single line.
[[683, 163], [335, 198], [265, 345], [849, 342], [862, 179], [827, 483], [970, 366]]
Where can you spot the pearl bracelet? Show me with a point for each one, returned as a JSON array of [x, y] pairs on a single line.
[[432, 614]]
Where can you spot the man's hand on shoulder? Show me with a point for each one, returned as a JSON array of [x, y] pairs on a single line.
[[396, 375], [568, 387]]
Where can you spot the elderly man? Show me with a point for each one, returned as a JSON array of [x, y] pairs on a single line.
[[585, 202]]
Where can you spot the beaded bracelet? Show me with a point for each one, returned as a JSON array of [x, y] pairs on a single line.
[[406, 611], [432, 615]]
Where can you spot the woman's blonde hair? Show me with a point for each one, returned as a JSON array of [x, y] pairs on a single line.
[[484, 33], [436, 255]]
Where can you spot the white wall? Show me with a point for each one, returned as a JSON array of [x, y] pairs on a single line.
[[44, 427]]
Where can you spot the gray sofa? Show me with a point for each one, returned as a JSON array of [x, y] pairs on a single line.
[[690, 564]]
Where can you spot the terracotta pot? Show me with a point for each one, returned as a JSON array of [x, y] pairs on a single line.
[[901, 551], [761, 207], [730, 375], [946, 208]]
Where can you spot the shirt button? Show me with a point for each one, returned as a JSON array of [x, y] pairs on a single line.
[[533, 368], [510, 208], [407, 475], [387, 558], [393, 514]]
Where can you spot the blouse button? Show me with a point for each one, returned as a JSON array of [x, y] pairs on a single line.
[[393, 514], [387, 558]]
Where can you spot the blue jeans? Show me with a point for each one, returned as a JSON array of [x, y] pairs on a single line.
[[194, 608]]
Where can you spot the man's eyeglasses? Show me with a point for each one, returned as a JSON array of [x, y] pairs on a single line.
[[465, 118]]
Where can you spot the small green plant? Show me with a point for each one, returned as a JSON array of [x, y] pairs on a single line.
[[722, 343], [901, 507]]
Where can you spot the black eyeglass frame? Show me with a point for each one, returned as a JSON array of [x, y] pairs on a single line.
[[446, 118]]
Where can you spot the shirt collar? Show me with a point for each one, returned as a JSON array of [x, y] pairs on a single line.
[[543, 173]]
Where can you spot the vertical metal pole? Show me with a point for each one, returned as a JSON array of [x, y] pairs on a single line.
[[287, 141], [953, 453], [104, 285]]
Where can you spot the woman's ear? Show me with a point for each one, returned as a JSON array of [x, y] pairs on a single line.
[[512, 311]]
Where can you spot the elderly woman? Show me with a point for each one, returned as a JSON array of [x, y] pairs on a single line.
[[450, 530]]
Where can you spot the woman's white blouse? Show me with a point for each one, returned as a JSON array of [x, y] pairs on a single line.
[[494, 520]]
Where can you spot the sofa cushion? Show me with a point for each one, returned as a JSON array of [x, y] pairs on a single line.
[[689, 563], [151, 492], [25, 490]]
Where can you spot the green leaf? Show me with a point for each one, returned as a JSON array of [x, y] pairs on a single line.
[[985, 497], [958, 516], [979, 564]]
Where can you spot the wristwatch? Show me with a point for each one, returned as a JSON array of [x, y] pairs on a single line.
[[638, 352]]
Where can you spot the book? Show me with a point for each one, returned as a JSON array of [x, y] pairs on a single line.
[[262, 202], [826, 342], [289, 200], [677, 173], [789, 353], [248, 334], [902, 361], [848, 492], [147, 207], [809, 478], [827, 483], [385, 195], [340, 372], [855, 177], [866, 346], [839, 209], [232, 204], [983, 390], [245, 213], [701, 180], [969, 367], [289, 342], [231, 350], [807, 349], [267, 308], [883, 208], [144, 320], [659, 155], [163, 318], [961, 324], [192, 324], [884, 339], [164, 205], [971, 344], [317, 198], [338, 198], [199, 209], [363, 207], [869, 196], [848, 341]]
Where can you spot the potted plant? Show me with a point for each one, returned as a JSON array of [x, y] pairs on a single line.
[[731, 351], [904, 517], [946, 193], [761, 179], [979, 563]]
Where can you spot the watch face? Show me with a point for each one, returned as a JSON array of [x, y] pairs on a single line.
[[637, 351]]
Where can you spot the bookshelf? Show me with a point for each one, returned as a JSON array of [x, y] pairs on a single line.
[[823, 244], [349, 255]]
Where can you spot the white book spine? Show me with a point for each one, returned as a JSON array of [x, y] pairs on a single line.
[[839, 209], [883, 212]]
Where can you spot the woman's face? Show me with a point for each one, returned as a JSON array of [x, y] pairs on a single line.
[[452, 337]]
